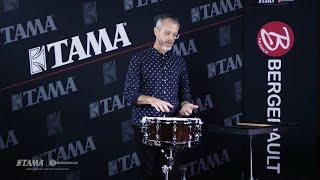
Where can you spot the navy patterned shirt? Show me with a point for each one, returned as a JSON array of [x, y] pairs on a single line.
[[162, 76]]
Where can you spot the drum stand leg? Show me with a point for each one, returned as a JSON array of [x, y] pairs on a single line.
[[167, 167], [183, 169]]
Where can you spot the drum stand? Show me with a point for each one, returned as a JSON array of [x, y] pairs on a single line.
[[167, 167], [183, 169]]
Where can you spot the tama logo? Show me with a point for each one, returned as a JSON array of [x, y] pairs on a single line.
[[131, 4], [274, 2], [8, 141], [127, 132], [204, 103], [233, 119], [123, 164], [107, 105], [43, 93], [214, 9], [27, 30], [266, 1], [211, 161], [72, 150], [285, 1], [30, 162], [75, 48], [184, 49], [224, 65]]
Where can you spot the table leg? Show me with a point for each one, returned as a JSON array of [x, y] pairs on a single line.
[[251, 169]]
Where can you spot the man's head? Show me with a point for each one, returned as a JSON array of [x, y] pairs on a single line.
[[166, 31]]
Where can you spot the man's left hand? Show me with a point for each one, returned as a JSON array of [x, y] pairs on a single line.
[[187, 109]]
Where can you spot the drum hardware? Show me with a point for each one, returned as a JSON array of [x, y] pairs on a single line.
[[174, 132], [167, 167], [183, 169], [171, 133]]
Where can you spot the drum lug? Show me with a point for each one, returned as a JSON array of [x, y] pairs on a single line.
[[174, 138], [157, 143], [189, 144], [146, 135], [157, 127]]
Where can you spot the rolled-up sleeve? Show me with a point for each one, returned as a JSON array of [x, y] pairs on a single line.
[[184, 84], [132, 82]]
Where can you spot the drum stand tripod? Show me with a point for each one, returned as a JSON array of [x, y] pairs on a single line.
[[167, 167]]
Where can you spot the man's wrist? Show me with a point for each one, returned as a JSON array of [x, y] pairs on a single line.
[[150, 99], [184, 103]]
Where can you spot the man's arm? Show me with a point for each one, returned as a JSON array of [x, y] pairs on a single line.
[[184, 84], [186, 105], [132, 83], [131, 89], [158, 104]]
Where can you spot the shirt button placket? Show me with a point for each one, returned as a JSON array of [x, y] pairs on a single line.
[[164, 77]]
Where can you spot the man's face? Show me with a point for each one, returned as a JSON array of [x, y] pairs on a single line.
[[166, 34]]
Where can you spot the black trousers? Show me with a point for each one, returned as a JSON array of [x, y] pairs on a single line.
[[152, 159]]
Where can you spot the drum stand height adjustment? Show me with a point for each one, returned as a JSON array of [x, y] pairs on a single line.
[[167, 167]]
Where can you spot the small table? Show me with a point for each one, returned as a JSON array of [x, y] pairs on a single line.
[[250, 129]]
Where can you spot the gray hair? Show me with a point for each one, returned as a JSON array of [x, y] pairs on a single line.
[[159, 19]]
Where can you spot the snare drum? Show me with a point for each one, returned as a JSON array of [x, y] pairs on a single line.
[[171, 131]]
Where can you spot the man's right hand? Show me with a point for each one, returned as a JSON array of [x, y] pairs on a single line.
[[160, 105]]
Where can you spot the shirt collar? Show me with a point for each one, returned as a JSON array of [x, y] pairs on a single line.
[[167, 54]]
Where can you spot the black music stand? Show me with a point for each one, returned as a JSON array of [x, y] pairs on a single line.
[[250, 129]]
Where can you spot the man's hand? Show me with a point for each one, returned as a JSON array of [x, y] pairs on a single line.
[[160, 105], [187, 109]]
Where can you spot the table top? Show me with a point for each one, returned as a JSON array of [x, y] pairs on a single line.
[[250, 128]]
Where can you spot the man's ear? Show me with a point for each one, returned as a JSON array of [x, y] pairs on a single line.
[[155, 31]]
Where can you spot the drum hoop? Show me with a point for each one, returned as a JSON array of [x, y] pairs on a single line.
[[147, 119], [169, 142], [171, 122]]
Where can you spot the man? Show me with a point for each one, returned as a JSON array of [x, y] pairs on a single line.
[[157, 85]]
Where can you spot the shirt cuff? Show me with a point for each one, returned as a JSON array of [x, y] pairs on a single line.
[[135, 98], [186, 97]]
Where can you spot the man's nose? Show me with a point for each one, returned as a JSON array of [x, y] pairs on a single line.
[[171, 37]]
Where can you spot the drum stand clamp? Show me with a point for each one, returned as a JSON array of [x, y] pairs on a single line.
[[167, 167]]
